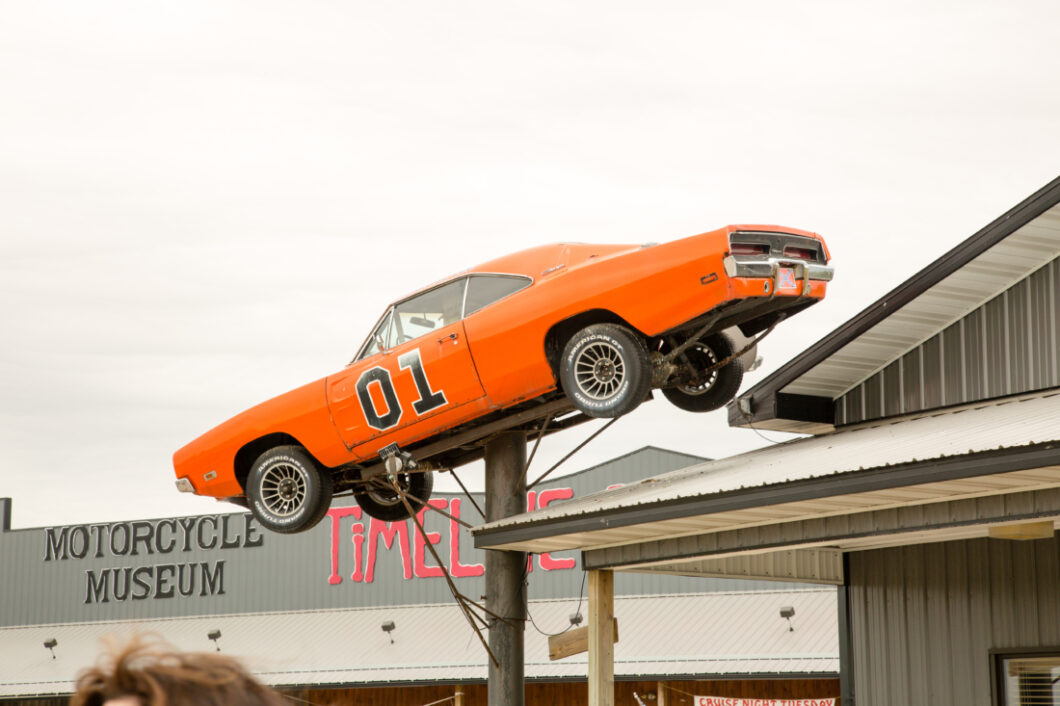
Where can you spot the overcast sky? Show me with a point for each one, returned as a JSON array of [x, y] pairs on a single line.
[[205, 204]]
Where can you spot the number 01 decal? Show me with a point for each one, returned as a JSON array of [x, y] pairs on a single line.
[[428, 399]]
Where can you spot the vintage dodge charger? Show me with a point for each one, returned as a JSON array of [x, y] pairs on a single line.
[[539, 340]]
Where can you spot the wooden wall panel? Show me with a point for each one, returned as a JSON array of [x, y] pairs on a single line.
[[679, 693]]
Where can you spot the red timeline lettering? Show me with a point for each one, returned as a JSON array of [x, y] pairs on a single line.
[[457, 569], [546, 560], [422, 570]]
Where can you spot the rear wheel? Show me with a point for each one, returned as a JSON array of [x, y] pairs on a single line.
[[382, 502], [699, 391], [605, 370], [287, 491]]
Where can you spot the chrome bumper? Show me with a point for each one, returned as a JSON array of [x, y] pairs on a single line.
[[768, 267]]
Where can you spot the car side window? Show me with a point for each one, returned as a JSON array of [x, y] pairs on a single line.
[[426, 312], [483, 290], [372, 345]]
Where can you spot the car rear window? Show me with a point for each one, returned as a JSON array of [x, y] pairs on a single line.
[[483, 290]]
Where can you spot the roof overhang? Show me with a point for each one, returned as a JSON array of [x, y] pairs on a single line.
[[799, 396], [943, 475]]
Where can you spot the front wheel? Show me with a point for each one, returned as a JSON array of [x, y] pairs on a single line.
[[287, 491], [605, 370], [700, 391], [379, 500]]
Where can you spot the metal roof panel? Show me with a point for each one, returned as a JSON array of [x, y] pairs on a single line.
[[909, 443], [703, 634]]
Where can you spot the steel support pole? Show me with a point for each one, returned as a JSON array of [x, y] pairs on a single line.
[[506, 571]]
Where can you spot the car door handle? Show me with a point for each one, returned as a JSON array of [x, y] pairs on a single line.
[[451, 337]]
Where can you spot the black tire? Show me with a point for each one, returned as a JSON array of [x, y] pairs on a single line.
[[605, 370], [384, 504], [287, 491], [719, 388]]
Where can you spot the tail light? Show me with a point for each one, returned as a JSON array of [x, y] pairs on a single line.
[[749, 248], [800, 253]]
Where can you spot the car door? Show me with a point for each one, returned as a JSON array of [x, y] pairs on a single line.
[[415, 366]]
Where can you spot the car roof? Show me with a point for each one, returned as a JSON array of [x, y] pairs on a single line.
[[540, 260], [535, 262]]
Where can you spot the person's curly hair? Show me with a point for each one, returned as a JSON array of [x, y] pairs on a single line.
[[158, 675]]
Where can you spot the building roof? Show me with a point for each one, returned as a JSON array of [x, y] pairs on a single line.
[[702, 635], [990, 261], [971, 451]]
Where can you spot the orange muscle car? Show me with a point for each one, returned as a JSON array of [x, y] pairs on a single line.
[[538, 340]]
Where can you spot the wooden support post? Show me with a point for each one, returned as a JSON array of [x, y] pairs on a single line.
[[458, 696], [660, 693], [505, 587], [601, 638]]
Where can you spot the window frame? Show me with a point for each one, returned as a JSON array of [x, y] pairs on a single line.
[[362, 352], [998, 657]]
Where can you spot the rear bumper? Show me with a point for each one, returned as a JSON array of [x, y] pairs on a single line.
[[770, 267]]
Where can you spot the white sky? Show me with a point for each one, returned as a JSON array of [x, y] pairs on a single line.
[[204, 204]]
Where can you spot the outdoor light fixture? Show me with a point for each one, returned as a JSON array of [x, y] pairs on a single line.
[[786, 612], [575, 618], [51, 643], [215, 635], [388, 628]]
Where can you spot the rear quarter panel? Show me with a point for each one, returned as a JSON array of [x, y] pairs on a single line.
[[654, 288]]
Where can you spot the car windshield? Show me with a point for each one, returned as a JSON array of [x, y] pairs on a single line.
[[376, 342]]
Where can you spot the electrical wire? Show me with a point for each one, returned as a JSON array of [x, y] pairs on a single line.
[[764, 437], [751, 426], [578, 609]]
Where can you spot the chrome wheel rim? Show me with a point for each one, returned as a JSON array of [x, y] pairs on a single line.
[[703, 387], [385, 494], [283, 489], [599, 370]]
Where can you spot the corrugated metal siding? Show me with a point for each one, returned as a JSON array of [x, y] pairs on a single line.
[[926, 616], [951, 353], [1005, 347], [892, 389], [931, 373]]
